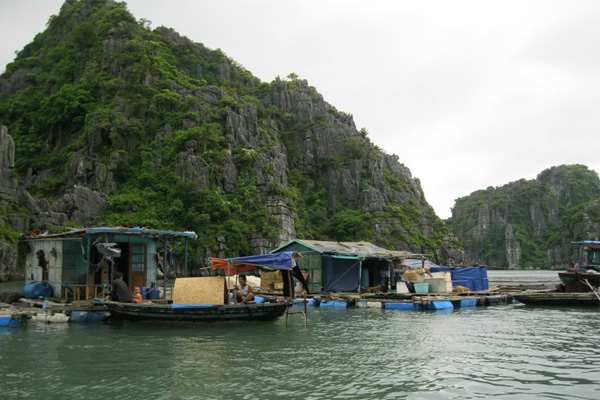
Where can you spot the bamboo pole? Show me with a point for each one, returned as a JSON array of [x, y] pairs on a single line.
[[186, 258], [166, 267], [89, 261], [592, 289]]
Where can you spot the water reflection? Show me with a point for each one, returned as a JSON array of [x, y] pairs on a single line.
[[507, 352]]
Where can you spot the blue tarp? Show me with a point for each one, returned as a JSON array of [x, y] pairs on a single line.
[[240, 264], [440, 269], [340, 274], [475, 278]]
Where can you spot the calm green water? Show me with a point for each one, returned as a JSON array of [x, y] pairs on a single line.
[[504, 352]]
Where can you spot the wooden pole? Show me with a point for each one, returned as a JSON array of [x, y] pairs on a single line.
[[89, 261], [166, 265], [592, 289], [185, 262], [227, 284]]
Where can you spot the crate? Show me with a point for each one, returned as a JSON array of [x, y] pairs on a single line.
[[268, 280], [439, 285], [401, 287], [421, 287], [446, 275]]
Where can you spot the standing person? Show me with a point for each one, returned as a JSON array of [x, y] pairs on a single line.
[[242, 293], [120, 290]]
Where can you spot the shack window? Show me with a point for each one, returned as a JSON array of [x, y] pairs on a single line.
[[138, 258]]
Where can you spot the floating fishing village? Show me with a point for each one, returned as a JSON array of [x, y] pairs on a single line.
[[357, 200], [71, 277]]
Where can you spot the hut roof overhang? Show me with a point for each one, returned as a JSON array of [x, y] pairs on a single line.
[[362, 250], [141, 232]]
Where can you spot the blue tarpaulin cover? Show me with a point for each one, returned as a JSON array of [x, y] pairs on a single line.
[[475, 278], [240, 264], [340, 274], [440, 269]]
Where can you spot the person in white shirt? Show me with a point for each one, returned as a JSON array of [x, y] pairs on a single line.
[[242, 293]]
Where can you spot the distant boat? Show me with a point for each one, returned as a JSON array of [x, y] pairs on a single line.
[[558, 299], [579, 285], [196, 313], [586, 276]]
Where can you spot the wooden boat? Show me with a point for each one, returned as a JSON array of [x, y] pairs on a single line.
[[579, 285], [575, 281], [196, 313], [202, 299], [559, 299], [585, 277]]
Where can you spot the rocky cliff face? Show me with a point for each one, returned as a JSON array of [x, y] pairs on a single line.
[[530, 224], [155, 129], [8, 184], [8, 195], [23, 213], [583, 223]]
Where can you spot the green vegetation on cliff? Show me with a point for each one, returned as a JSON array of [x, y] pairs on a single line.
[[539, 212], [181, 137]]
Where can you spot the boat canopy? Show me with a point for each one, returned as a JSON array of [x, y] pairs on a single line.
[[592, 244], [236, 265]]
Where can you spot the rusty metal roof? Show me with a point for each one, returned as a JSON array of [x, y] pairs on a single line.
[[358, 249]]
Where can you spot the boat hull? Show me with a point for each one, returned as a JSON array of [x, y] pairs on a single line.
[[196, 313], [573, 281], [559, 299]]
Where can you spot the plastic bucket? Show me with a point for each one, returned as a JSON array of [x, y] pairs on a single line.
[[35, 290]]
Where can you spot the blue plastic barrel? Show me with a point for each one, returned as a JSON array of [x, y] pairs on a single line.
[[35, 290], [143, 290], [154, 294], [439, 305], [401, 306]]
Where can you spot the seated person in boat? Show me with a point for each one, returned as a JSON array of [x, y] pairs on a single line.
[[242, 293], [120, 290], [137, 295]]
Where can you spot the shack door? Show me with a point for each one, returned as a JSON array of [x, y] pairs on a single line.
[[137, 264]]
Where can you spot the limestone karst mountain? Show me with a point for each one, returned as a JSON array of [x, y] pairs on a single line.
[[109, 122], [530, 224]]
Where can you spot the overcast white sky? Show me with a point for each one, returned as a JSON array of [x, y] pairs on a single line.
[[468, 94]]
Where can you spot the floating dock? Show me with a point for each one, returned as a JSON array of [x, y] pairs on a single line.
[[50, 311], [409, 301]]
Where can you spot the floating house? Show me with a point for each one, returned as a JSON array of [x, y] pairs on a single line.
[[81, 263], [345, 266]]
